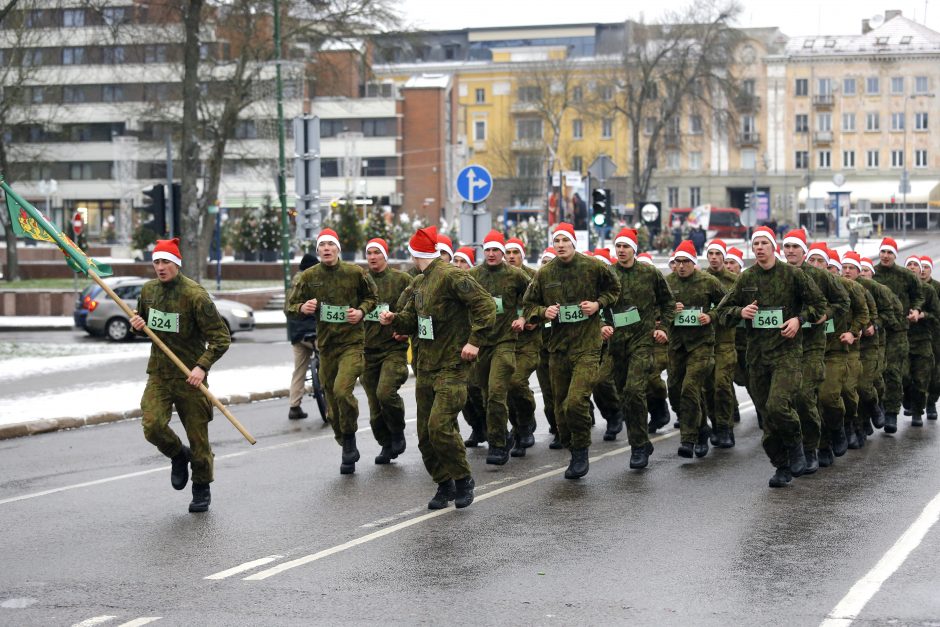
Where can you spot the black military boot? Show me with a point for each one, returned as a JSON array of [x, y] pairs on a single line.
[[701, 446], [517, 450], [840, 444], [659, 414], [852, 439], [737, 415], [385, 455], [640, 456], [350, 455], [201, 498], [445, 492], [398, 444], [916, 420], [614, 426], [760, 420], [526, 437], [878, 417], [867, 427], [555, 444], [796, 459], [724, 437], [296, 413], [812, 462], [579, 464], [685, 449], [825, 457], [179, 475], [464, 495], [497, 455], [476, 438], [891, 422], [781, 478], [862, 437], [713, 438], [931, 411]]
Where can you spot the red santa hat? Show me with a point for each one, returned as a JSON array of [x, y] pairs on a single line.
[[888, 244], [719, 245], [798, 237], [628, 237], [851, 258], [495, 239], [329, 235], [168, 249], [735, 254], [566, 229], [926, 262], [549, 253], [819, 249], [380, 245], [912, 259], [603, 254], [423, 244], [444, 245], [645, 258], [764, 231], [466, 253], [685, 250], [866, 263], [834, 259], [515, 242]]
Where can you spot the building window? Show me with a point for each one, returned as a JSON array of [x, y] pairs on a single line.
[[529, 128], [37, 95], [872, 158], [649, 125], [577, 93], [920, 158], [748, 86], [246, 129], [920, 121], [802, 87], [577, 164], [80, 171], [824, 159], [530, 93], [824, 122], [921, 84], [749, 159], [872, 86], [748, 125], [577, 128], [695, 196], [802, 123], [897, 85], [897, 121], [113, 55], [848, 122], [695, 124], [872, 121], [529, 166], [848, 158], [479, 130], [73, 56], [155, 53], [374, 167], [329, 168], [113, 16], [802, 160], [331, 128], [672, 159], [673, 194], [848, 87], [73, 17], [695, 160], [379, 127], [824, 86], [897, 158], [73, 94], [112, 93], [606, 92], [480, 95], [607, 128]]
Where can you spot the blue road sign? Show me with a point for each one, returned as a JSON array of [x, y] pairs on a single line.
[[474, 183]]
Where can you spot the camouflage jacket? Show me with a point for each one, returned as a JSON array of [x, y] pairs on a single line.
[[645, 288], [340, 286], [837, 306], [568, 284], [390, 285], [904, 285], [868, 343], [182, 314], [853, 321], [888, 305], [698, 291], [449, 309], [782, 286], [506, 285], [921, 333], [723, 334], [533, 337]]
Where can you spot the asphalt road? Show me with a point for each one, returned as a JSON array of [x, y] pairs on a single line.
[[94, 534]]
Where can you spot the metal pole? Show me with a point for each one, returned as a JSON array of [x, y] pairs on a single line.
[[904, 175], [168, 218], [281, 166], [218, 248]]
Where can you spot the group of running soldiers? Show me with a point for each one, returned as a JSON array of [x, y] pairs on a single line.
[[829, 347]]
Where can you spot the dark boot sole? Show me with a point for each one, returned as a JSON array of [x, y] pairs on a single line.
[[517, 452], [461, 503], [347, 469]]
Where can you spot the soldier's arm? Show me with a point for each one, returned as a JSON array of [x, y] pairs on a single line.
[[535, 308], [860, 316], [664, 298], [404, 287], [142, 311], [837, 297], [522, 286], [813, 303], [406, 318], [729, 309], [211, 329], [915, 291], [609, 287], [480, 304], [716, 293], [299, 294], [367, 292]]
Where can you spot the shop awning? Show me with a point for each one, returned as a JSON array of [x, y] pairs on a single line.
[[875, 190]]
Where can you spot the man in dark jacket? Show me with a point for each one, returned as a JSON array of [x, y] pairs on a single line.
[[302, 333]]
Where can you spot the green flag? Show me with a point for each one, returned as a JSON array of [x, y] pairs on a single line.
[[29, 222]]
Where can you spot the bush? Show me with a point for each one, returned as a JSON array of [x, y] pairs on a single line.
[[143, 238]]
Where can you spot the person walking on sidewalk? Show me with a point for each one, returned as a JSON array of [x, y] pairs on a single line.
[[302, 333]]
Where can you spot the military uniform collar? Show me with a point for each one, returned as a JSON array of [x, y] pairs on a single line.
[[329, 268], [174, 282], [379, 274]]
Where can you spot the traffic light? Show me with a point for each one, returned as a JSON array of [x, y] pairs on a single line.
[[177, 202], [155, 203], [747, 201], [600, 207]]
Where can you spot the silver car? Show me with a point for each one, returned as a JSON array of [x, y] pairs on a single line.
[[99, 315]]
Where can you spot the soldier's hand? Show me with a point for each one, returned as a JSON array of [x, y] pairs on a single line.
[[469, 352], [552, 312], [398, 337], [750, 311], [589, 307], [518, 325], [789, 328], [137, 323], [704, 319], [354, 316], [607, 332], [679, 307], [847, 338], [821, 320], [870, 330], [530, 326], [196, 377], [386, 318], [309, 307], [660, 337]]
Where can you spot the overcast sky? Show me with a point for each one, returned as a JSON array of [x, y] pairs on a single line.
[[793, 17]]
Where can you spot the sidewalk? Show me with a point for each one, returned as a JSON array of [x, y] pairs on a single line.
[[263, 320]]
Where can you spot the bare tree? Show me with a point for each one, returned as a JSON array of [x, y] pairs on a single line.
[[521, 171]]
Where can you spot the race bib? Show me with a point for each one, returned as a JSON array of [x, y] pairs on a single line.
[[498, 301], [571, 313], [162, 321], [805, 325], [333, 313], [688, 318], [425, 328], [830, 326], [373, 316], [768, 318], [519, 312], [626, 318]]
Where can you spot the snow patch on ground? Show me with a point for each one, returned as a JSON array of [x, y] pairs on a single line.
[[19, 360]]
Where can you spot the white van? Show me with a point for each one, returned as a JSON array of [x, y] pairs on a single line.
[[861, 224]]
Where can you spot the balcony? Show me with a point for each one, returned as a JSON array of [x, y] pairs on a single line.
[[822, 101], [750, 138], [746, 103], [528, 144], [671, 139], [524, 106], [822, 137]]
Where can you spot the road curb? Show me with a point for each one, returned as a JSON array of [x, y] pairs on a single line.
[[49, 425]]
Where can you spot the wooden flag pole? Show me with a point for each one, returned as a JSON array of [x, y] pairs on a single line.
[[169, 353]]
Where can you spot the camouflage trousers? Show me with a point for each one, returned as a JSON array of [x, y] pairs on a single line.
[[521, 399], [774, 384], [719, 389], [382, 376], [339, 370], [655, 386], [807, 402], [605, 390], [917, 382], [867, 390], [573, 378], [474, 409], [631, 376], [688, 373], [492, 372], [543, 373], [831, 397], [195, 412], [933, 391], [896, 368], [439, 396], [850, 390]]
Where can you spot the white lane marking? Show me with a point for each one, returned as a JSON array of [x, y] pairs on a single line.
[[97, 620], [375, 535], [865, 588], [244, 567], [143, 620], [131, 475]]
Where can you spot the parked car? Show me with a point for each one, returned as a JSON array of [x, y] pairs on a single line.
[[100, 316], [861, 224], [724, 222]]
